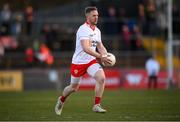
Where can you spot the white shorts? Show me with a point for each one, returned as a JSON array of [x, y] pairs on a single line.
[[91, 70]]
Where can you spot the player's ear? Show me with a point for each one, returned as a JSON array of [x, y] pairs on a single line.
[[87, 15]]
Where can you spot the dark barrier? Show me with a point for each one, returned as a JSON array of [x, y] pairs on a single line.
[[50, 79]]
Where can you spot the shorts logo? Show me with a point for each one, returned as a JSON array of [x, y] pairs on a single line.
[[75, 71]]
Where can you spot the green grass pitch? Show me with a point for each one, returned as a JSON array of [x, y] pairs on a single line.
[[121, 105]]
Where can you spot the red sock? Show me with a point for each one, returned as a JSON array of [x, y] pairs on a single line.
[[97, 100], [62, 98]]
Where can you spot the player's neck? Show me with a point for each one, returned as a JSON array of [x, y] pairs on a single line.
[[91, 25]]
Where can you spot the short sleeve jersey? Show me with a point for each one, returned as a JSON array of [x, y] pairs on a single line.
[[85, 32], [152, 67]]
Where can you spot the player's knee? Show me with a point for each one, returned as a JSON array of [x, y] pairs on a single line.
[[101, 80], [74, 89], [100, 77]]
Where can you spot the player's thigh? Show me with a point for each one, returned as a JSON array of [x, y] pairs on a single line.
[[93, 69], [96, 72], [75, 80]]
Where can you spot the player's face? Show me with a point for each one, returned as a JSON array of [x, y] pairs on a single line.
[[93, 17]]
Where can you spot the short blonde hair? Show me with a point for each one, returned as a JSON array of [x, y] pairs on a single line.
[[89, 9]]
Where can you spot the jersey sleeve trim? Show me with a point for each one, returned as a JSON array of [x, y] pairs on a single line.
[[81, 38]]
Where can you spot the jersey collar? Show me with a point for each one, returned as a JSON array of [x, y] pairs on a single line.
[[91, 26]]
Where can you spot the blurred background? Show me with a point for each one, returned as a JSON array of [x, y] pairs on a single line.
[[37, 41]]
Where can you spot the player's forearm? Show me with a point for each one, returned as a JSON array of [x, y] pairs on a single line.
[[102, 50], [93, 53]]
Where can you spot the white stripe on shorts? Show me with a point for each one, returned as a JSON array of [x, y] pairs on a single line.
[[93, 69]]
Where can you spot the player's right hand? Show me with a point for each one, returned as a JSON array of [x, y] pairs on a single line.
[[105, 59]]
